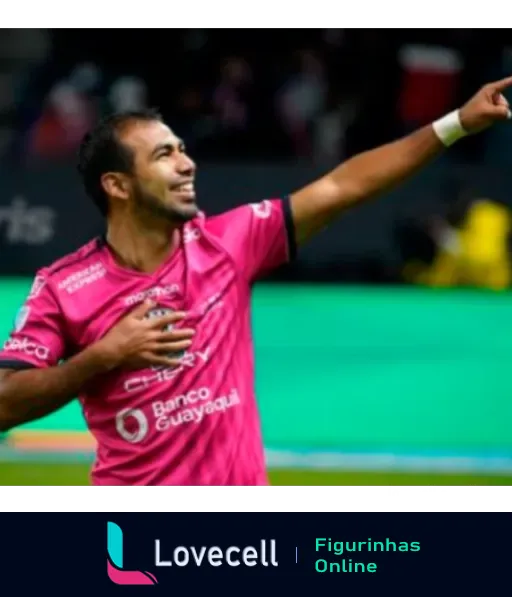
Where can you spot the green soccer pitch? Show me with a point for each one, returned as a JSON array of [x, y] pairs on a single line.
[[28, 473]]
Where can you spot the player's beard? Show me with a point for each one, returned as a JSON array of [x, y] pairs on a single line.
[[148, 204]]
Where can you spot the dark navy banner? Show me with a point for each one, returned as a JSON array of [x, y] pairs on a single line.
[[402, 553], [331, 554]]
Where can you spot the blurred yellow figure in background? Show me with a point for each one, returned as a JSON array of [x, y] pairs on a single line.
[[484, 257], [474, 254]]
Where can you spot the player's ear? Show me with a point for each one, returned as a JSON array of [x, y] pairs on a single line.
[[115, 185]]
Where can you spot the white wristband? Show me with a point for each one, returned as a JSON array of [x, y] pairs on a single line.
[[449, 128]]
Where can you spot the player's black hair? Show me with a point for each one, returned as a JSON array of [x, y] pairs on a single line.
[[102, 151]]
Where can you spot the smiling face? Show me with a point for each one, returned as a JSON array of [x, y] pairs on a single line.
[[161, 182]]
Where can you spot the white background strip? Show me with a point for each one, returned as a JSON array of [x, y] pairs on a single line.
[[436, 495]]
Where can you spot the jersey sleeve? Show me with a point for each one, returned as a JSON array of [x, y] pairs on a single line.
[[37, 338], [259, 236]]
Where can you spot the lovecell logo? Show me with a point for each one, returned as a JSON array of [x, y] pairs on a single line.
[[115, 568]]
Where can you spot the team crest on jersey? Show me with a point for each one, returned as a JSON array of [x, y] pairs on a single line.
[[161, 312]]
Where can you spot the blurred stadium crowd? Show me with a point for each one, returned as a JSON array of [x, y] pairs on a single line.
[[284, 97], [319, 94]]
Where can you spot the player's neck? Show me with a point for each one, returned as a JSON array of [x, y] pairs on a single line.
[[141, 247]]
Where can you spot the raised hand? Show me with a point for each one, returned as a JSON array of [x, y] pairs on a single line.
[[486, 107]]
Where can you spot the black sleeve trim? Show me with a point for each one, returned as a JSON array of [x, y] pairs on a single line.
[[290, 228], [15, 364]]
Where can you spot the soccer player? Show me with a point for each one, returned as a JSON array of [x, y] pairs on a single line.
[[150, 325]]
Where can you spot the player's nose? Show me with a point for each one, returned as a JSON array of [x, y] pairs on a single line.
[[186, 165]]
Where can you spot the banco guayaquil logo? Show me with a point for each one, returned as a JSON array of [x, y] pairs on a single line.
[[180, 556]]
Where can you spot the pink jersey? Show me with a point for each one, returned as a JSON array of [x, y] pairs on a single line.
[[197, 424]]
